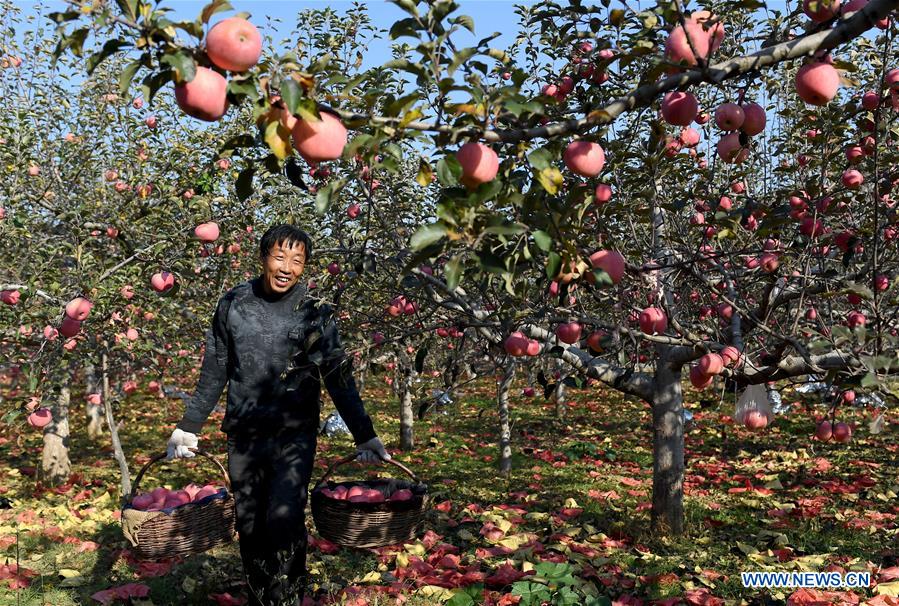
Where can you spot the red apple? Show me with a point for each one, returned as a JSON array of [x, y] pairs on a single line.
[[584, 158], [204, 97], [679, 108], [78, 308], [569, 332], [841, 432], [234, 44], [516, 344], [711, 364], [320, 141], [729, 116], [40, 417], [824, 431], [207, 232], [653, 321], [817, 83], [755, 419], [162, 281]]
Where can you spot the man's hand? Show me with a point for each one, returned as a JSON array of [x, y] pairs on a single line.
[[180, 444], [372, 451]]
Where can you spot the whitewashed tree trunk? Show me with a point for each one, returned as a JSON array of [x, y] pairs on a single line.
[[505, 427], [404, 381], [94, 411], [55, 464], [668, 449]]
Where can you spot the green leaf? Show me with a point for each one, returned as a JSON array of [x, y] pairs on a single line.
[[127, 76], [553, 264], [129, 8], [459, 58], [64, 17], [448, 171], [152, 83], [244, 184], [603, 279], [465, 21], [540, 158], [183, 64], [237, 142], [543, 240], [408, 5], [216, 6], [291, 94], [325, 196], [427, 235], [404, 27], [243, 89], [453, 272]]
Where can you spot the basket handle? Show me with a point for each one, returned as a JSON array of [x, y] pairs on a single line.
[[163, 455], [352, 457]]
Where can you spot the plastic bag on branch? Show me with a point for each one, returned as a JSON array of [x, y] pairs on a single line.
[[333, 425], [754, 399]]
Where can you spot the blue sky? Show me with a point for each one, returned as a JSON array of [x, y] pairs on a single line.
[[489, 16]]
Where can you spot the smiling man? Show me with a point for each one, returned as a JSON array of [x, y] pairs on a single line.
[[272, 344]]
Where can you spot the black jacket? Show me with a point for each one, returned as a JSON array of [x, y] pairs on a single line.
[[273, 352]]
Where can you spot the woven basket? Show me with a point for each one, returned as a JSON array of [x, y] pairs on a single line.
[[368, 525], [186, 530]]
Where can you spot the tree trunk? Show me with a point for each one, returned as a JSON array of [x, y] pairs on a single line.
[[361, 374], [505, 428], [559, 397], [668, 450], [55, 464], [94, 411], [113, 430], [407, 415]]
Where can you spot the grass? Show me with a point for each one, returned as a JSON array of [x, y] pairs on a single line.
[[825, 504]]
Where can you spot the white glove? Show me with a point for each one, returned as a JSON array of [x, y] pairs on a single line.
[[180, 443], [372, 451]]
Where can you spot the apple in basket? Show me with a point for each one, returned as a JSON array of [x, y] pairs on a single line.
[[340, 492], [142, 501], [176, 499], [206, 491], [192, 490], [355, 491], [369, 495], [403, 494]]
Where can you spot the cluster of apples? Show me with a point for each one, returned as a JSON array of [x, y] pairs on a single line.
[[235, 45], [361, 494], [164, 498], [712, 364]]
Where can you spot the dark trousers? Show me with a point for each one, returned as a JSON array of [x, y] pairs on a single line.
[[270, 476]]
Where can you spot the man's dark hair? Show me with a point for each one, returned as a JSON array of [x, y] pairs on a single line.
[[287, 236]]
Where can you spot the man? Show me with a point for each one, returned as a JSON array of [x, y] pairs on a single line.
[[272, 344]]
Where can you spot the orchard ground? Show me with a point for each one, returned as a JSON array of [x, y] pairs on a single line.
[[581, 486]]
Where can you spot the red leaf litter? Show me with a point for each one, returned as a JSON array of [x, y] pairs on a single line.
[[123, 593]]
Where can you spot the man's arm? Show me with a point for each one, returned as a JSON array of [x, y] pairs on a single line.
[[337, 372], [213, 373]]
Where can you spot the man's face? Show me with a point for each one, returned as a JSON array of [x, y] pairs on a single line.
[[283, 267]]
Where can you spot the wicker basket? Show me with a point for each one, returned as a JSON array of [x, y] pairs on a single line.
[[367, 525], [186, 530]]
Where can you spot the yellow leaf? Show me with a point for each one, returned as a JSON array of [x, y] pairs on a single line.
[[402, 559], [410, 116], [569, 502], [550, 178], [277, 137], [890, 589], [68, 573], [371, 577], [415, 548], [423, 178], [434, 592]]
